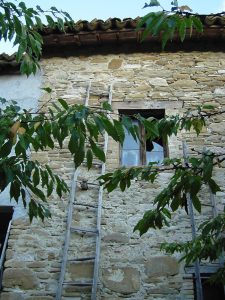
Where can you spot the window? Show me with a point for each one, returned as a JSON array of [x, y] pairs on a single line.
[[134, 153], [211, 291], [6, 213]]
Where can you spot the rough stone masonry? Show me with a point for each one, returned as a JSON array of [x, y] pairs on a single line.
[[131, 267]]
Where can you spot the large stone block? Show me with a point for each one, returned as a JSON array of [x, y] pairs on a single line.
[[184, 83], [219, 91], [83, 270], [116, 238], [11, 296], [161, 266], [158, 81], [115, 63], [22, 277], [125, 280]]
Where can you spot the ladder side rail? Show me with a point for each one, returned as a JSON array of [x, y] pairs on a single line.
[[99, 212], [193, 230], [67, 239], [69, 219], [215, 214], [2, 257]]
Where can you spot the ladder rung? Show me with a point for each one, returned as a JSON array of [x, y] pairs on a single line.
[[82, 259], [100, 94], [209, 205], [75, 283], [83, 204], [74, 229], [94, 163]]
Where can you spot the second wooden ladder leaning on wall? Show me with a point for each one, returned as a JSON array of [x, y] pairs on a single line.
[[200, 271], [79, 271]]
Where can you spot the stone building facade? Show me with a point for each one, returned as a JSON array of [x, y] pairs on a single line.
[[142, 78]]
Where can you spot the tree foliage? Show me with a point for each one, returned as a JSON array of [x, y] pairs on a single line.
[[81, 127], [21, 24], [166, 24]]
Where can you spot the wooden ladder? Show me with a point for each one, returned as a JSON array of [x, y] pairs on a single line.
[[212, 205], [73, 203]]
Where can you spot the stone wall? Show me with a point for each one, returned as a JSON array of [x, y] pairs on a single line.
[[131, 267]]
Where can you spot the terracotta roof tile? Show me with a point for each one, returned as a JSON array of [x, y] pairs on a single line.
[[127, 23], [114, 30]]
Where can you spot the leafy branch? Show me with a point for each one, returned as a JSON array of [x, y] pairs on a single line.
[[209, 245], [167, 24], [21, 24]]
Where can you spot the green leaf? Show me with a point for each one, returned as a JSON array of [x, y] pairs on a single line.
[[110, 129], [60, 24], [154, 3], [50, 21], [63, 103], [20, 53], [39, 22], [197, 23], [89, 157], [36, 177], [47, 89], [195, 185], [99, 153], [18, 25], [15, 190], [23, 6], [32, 210], [79, 152], [39, 8], [106, 106], [50, 188], [6, 149], [67, 15], [53, 8], [175, 3], [120, 130], [175, 203], [182, 29], [196, 203], [213, 186], [208, 106], [123, 185]]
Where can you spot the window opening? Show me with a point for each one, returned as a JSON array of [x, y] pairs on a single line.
[[134, 153], [6, 213], [211, 291]]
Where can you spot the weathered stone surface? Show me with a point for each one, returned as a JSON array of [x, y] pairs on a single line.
[[11, 296], [171, 81], [122, 280], [220, 91], [161, 266], [40, 298], [158, 81], [184, 83], [24, 278], [81, 270], [115, 63], [116, 238], [218, 127], [98, 59]]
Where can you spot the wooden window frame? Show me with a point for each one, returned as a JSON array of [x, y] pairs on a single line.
[[157, 113]]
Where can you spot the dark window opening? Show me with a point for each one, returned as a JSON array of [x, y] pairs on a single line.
[[6, 213], [134, 153], [211, 291]]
